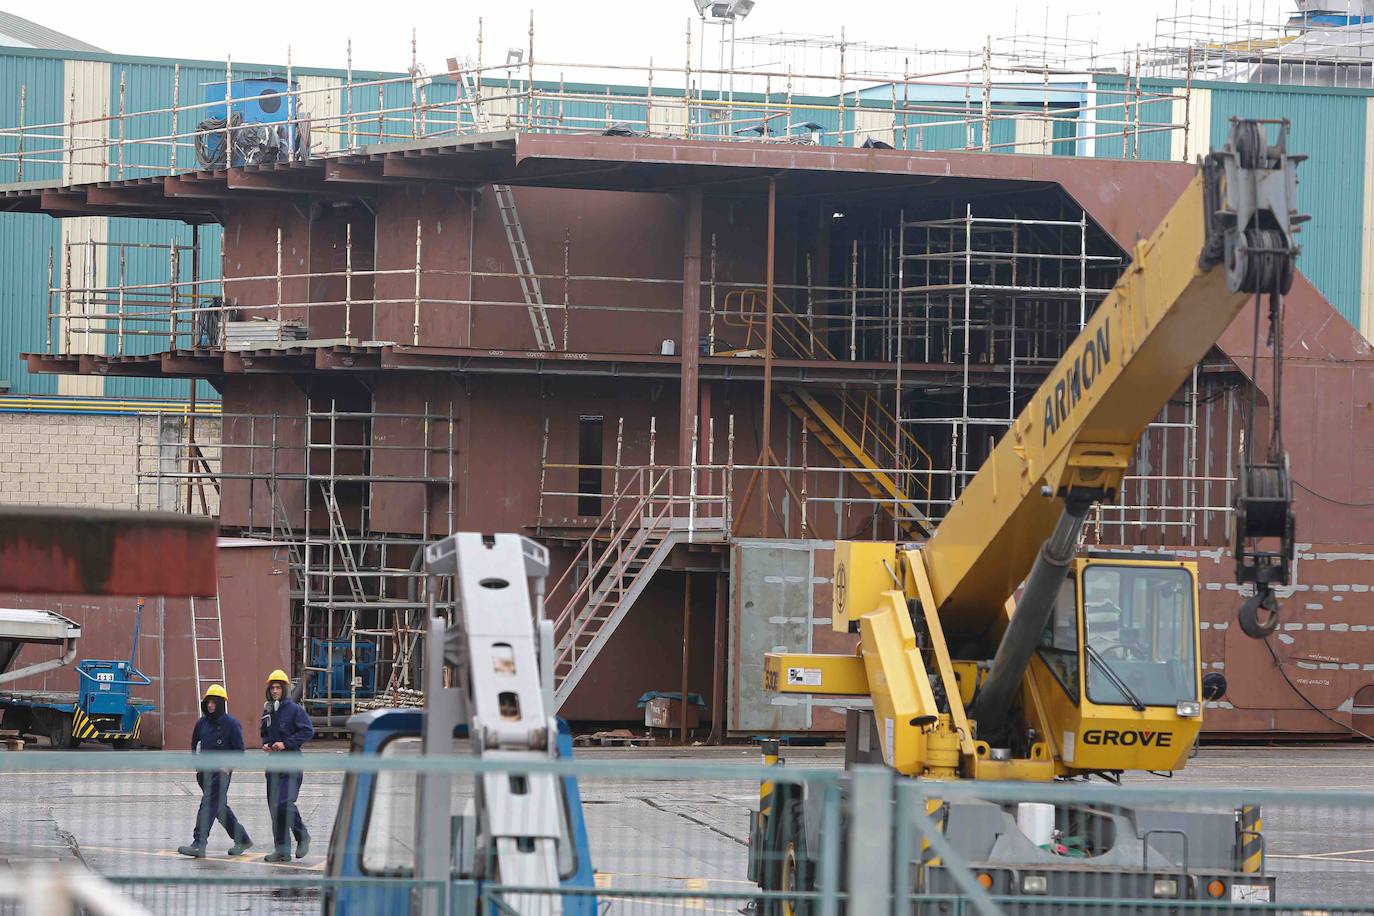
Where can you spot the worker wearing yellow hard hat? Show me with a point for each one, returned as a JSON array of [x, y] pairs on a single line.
[[216, 732], [285, 728]]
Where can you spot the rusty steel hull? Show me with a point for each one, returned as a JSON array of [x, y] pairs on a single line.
[[255, 610], [620, 206], [102, 552]]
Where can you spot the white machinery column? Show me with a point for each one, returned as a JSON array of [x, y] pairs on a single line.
[[495, 645]]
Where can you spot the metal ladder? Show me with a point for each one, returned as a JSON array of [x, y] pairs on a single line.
[[338, 536], [471, 99], [207, 644]]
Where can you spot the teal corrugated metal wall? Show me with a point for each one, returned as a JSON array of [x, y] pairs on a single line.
[[1119, 108], [1330, 128], [148, 86], [26, 238], [41, 80]]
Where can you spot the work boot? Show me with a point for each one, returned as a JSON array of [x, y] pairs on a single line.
[[278, 855], [195, 852], [303, 846], [240, 847]]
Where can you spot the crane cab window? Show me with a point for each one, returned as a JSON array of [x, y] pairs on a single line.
[[389, 836], [1139, 633], [388, 841], [1059, 640]]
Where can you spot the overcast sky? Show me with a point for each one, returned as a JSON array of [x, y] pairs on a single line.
[[612, 31]]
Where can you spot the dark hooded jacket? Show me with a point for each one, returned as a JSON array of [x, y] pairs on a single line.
[[285, 722], [220, 732]]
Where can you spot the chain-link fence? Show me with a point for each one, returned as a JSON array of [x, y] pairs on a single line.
[[623, 834]]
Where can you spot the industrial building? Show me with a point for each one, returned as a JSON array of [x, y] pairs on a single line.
[[687, 331]]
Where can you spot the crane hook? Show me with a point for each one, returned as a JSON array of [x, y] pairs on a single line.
[[1250, 622]]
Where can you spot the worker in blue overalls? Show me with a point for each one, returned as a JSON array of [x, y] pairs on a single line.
[[285, 728], [216, 732]]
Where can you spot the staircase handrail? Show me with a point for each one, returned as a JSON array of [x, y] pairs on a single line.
[[616, 530], [568, 644]]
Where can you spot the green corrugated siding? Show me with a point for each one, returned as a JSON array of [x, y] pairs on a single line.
[[42, 79], [1119, 108], [148, 86], [1330, 128], [24, 242], [26, 238]]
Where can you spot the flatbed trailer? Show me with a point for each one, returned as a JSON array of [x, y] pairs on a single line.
[[102, 710]]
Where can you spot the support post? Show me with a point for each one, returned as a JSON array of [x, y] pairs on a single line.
[[869, 835], [766, 449], [691, 329], [686, 654], [718, 666], [760, 476]]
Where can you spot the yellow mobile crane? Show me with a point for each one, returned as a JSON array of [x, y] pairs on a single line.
[[1094, 669]]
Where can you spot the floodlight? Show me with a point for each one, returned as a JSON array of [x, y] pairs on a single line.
[[728, 10], [739, 8]]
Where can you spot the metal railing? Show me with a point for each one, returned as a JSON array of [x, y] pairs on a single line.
[[674, 836], [992, 98]]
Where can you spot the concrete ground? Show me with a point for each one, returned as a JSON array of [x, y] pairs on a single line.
[[680, 835]]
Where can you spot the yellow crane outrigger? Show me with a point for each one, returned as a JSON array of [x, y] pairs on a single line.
[[1094, 669]]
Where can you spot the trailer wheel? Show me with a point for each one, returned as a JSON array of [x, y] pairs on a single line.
[[792, 873], [60, 732]]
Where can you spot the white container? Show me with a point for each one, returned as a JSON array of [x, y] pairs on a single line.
[[669, 348], [1036, 821]]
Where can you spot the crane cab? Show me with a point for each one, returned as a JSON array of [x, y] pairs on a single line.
[[372, 847], [1116, 669]]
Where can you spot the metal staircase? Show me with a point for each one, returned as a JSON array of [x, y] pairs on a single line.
[[858, 439], [620, 558], [857, 429], [470, 98]]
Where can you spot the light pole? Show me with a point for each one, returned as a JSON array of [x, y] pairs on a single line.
[[724, 13]]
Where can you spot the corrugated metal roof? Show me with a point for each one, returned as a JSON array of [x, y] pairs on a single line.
[[16, 31]]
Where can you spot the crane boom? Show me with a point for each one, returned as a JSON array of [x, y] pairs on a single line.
[[944, 655], [1096, 668], [1081, 427]]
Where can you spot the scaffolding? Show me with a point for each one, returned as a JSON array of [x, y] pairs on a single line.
[[1258, 42], [1030, 91], [1004, 291], [308, 482], [1011, 95]]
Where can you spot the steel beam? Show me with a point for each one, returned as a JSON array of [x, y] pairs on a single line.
[[89, 552]]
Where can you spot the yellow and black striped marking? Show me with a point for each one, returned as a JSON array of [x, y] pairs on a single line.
[[83, 726], [1250, 831], [770, 758]]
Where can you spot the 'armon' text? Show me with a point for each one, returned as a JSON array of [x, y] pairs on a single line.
[[1079, 377]]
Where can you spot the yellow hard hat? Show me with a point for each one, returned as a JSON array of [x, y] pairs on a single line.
[[278, 675], [215, 690]]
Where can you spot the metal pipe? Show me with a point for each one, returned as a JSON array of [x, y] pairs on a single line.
[[994, 700], [686, 652], [23, 106]]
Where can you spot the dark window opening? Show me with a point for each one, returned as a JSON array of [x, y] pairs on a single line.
[[589, 454]]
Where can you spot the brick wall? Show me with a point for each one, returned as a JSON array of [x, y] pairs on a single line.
[[81, 460]]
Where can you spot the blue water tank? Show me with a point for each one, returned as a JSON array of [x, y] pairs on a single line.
[[267, 126], [257, 101]]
